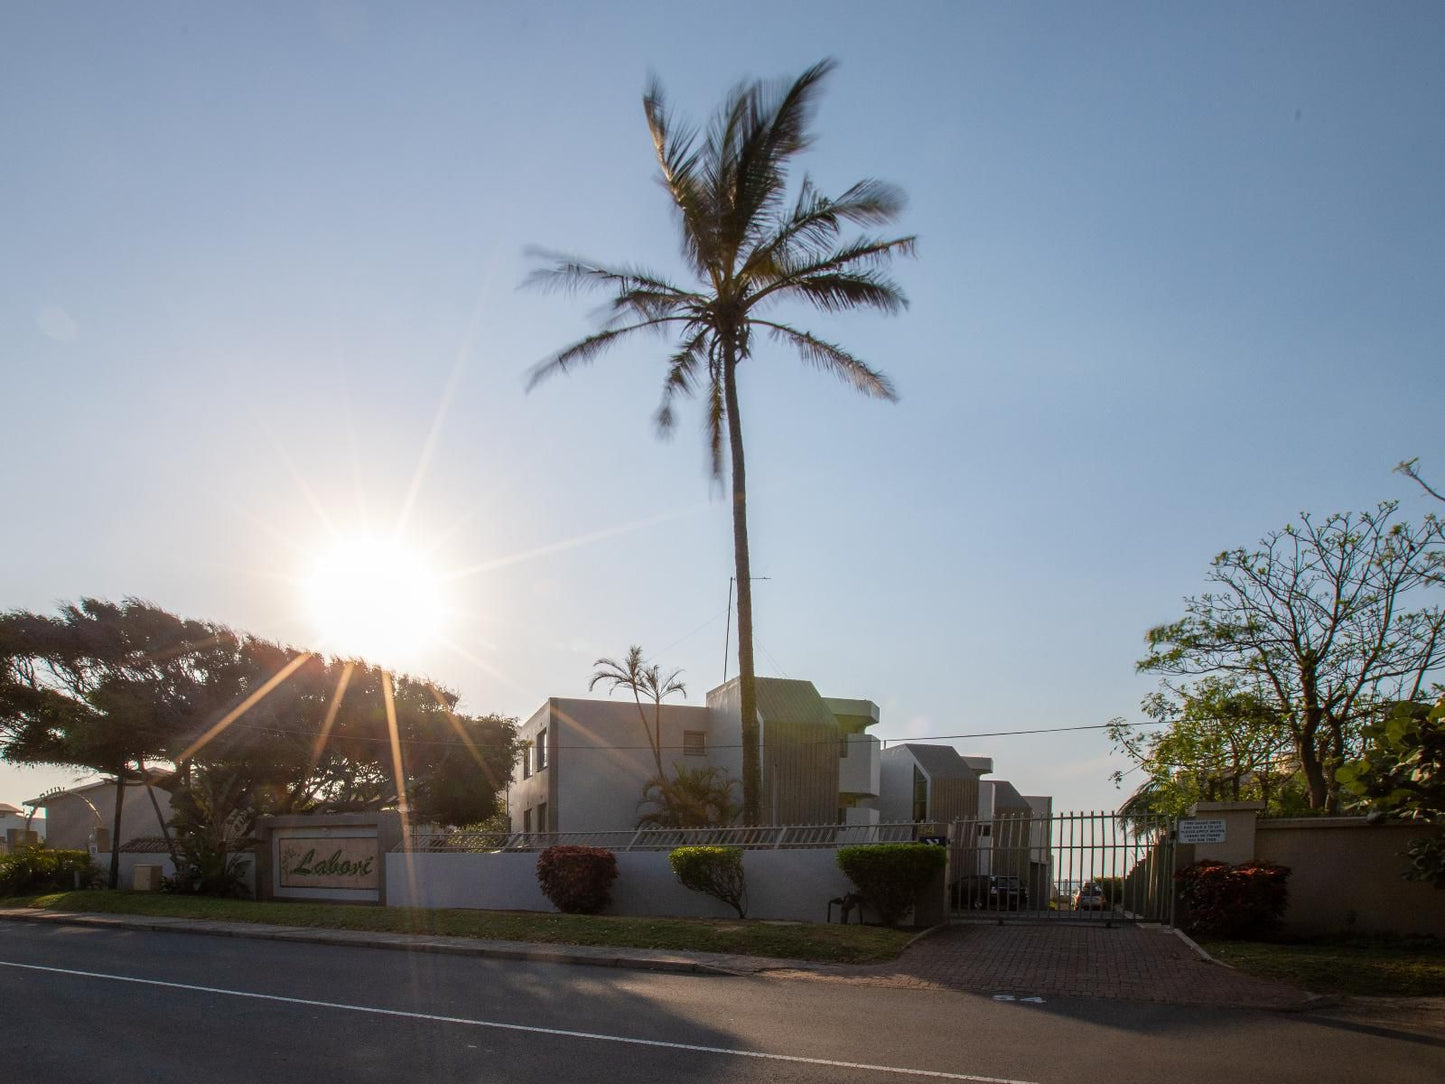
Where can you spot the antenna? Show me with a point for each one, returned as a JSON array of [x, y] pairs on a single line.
[[728, 621]]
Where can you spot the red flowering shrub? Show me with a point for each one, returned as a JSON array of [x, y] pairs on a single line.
[[577, 880], [1221, 900]]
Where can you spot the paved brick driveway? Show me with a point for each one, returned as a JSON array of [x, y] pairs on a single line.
[[1051, 959]]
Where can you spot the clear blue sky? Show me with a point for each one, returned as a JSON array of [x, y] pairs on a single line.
[[1180, 278]]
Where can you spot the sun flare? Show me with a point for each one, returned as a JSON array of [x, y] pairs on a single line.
[[375, 598]]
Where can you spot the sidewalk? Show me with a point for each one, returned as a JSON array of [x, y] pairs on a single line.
[[704, 963]]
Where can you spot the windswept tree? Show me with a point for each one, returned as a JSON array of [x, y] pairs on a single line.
[[1319, 616], [104, 686], [749, 248]]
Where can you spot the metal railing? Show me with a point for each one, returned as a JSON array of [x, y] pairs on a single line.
[[433, 840]]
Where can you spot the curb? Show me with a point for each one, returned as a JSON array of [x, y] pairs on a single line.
[[394, 942]]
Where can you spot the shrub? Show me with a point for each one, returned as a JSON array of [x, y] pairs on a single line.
[[713, 871], [39, 869], [891, 875], [1243, 901], [578, 880]]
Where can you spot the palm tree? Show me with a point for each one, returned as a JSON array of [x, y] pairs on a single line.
[[641, 679], [749, 248]]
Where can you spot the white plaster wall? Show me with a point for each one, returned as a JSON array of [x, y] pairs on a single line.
[[783, 885]]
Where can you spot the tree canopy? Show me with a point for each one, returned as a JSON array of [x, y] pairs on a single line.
[[258, 727], [1328, 619]]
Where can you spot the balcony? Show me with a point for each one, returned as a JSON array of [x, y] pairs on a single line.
[[858, 765]]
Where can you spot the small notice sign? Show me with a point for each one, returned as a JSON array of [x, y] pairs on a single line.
[[1201, 831]]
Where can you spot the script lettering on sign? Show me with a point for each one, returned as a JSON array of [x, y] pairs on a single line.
[[328, 863]]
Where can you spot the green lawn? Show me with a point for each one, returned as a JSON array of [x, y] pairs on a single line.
[[1360, 966], [806, 941]]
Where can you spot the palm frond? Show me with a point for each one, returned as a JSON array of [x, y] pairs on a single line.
[[681, 379], [832, 358], [585, 350], [678, 160], [839, 292], [862, 253]]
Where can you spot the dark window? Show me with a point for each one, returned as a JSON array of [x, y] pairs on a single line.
[[694, 743], [541, 753], [527, 820], [542, 817], [527, 760], [920, 795]]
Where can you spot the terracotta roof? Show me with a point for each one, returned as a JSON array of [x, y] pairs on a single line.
[[145, 845]]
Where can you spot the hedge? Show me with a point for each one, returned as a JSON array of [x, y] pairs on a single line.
[[891, 875]]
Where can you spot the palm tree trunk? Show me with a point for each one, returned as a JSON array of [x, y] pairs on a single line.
[[747, 682]]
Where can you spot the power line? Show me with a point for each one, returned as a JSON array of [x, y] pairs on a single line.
[[310, 735]]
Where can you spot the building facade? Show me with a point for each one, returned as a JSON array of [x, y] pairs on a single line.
[[585, 762]]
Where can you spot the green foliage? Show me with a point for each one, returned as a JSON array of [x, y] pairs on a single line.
[[40, 869], [1401, 772], [694, 798], [1220, 742], [211, 826], [713, 871], [1243, 901], [578, 880], [1319, 614], [891, 875]]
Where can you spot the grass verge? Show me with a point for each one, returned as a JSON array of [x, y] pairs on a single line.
[[1354, 966], [803, 941]]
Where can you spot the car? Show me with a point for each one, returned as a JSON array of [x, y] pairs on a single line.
[[1089, 897], [991, 894]]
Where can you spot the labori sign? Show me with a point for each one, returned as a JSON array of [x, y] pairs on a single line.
[[329, 862]]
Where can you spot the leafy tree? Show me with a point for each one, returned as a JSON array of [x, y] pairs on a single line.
[[1317, 616], [749, 248], [1220, 742], [1401, 772]]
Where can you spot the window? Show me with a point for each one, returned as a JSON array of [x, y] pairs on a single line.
[[526, 760], [920, 795], [527, 821], [694, 743], [542, 817], [541, 754]]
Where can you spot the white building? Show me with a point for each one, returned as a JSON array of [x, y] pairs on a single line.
[[585, 762], [14, 826]]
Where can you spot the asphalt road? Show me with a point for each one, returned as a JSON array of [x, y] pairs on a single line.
[[99, 1005]]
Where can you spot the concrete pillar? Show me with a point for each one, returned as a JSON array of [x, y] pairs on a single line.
[[1238, 823]]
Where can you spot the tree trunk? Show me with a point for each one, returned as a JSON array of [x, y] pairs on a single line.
[[747, 682], [115, 827], [1309, 760]]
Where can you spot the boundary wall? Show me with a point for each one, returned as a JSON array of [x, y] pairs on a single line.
[[785, 885]]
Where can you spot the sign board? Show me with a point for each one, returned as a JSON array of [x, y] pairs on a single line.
[[1201, 831], [328, 862]]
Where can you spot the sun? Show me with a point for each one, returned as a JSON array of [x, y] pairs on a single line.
[[375, 598]]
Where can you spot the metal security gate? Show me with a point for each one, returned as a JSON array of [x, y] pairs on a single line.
[[1078, 866]]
